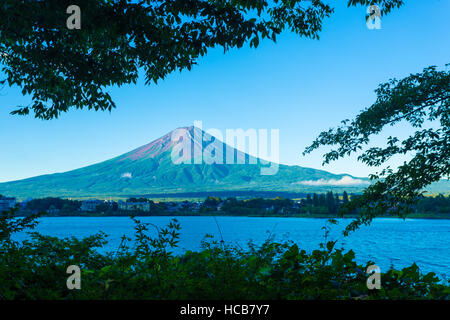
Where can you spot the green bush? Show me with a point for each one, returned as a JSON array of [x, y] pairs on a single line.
[[146, 269]]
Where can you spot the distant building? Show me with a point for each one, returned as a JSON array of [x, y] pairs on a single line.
[[24, 203], [52, 210], [297, 204], [196, 206], [174, 207], [134, 206], [90, 205], [7, 203]]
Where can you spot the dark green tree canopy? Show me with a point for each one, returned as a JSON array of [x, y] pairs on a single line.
[[62, 68], [421, 99]]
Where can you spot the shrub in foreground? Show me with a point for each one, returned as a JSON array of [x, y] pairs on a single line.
[[145, 268]]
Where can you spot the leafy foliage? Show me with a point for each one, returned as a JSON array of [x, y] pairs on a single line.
[[66, 206], [147, 269], [420, 99], [61, 68], [439, 204]]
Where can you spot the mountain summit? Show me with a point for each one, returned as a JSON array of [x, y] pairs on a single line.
[[151, 169]]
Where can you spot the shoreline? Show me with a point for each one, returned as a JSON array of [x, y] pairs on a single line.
[[317, 216]]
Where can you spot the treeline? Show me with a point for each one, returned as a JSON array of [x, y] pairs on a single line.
[[248, 207], [436, 204], [52, 205], [313, 204], [328, 203]]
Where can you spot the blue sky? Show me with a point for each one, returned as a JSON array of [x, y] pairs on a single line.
[[298, 86]]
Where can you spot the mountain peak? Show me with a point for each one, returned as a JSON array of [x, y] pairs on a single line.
[[150, 169], [159, 146]]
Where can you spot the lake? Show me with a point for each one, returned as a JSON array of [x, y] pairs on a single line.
[[386, 241]]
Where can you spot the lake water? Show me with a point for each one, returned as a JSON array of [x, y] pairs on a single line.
[[386, 241]]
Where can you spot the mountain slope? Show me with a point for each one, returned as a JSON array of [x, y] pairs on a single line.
[[150, 170]]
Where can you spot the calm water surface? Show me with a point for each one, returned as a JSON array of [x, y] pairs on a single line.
[[386, 242]]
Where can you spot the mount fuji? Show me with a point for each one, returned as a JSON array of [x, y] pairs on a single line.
[[150, 169]]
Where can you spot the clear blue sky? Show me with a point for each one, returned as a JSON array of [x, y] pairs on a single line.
[[297, 85]]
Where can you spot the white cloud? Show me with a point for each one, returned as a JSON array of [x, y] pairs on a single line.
[[126, 175], [344, 181]]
